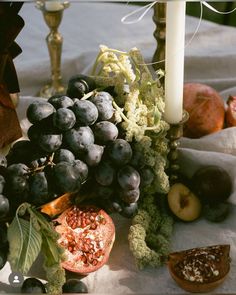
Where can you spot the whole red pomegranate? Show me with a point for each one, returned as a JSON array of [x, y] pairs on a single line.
[[206, 110], [87, 233], [230, 116]]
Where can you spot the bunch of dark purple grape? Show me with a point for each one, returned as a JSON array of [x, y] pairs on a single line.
[[74, 144]]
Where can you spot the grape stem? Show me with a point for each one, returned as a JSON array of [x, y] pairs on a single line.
[[122, 114], [89, 94], [41, 168]]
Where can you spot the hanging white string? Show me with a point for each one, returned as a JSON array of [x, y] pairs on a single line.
[[147, 7], [217, 11]]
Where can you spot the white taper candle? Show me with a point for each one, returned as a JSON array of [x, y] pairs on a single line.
[[174, 60]]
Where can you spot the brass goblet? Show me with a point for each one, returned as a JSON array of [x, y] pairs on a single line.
[[53, 13]]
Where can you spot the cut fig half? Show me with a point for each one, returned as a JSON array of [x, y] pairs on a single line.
[[201, 269]]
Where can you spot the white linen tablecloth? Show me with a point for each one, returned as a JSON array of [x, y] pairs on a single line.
[[210, 58]]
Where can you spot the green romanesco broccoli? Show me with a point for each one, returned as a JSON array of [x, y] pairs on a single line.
[[143, 255], [56, 278], [149, 234], [142, 218]]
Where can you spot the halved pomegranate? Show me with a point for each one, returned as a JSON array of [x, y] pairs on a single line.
[[87, 233]]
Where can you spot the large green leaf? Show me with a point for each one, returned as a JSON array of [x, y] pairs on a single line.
[[24, 244]]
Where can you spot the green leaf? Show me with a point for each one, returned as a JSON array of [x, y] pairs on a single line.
[[53, 255], [51, 250], [24, 244], [44, 224], [156, 115]]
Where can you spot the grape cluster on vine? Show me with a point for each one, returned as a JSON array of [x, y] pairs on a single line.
[[73, 143]]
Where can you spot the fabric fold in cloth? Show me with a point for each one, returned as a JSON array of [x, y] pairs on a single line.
[[223, 141]]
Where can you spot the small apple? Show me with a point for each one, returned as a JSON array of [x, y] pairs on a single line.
[[183, 203]]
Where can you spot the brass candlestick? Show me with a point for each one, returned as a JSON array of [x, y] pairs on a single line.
[[159, 18], [53, 16], [174, 134]]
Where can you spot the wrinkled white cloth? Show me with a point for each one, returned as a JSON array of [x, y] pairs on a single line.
[[210, 58]]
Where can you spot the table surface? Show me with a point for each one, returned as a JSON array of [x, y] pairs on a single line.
[[209, 58]]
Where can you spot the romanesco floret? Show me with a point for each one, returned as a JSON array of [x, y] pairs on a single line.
[[143, 218], [56, 279], [161, 146], [147, 205], [143, 254], [159, 243], [149, 235], [136, 238], [167, 225], [161, 182]]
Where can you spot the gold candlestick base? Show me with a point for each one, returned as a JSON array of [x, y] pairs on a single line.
[[174, 134], [49, 90], [54, 42]]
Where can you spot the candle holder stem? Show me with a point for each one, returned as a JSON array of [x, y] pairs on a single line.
[[54, 43], [174, 134], [159, 18]]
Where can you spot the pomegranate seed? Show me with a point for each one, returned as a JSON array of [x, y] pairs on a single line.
[[90, 258], [84, 259], [85, 248], [93, 226], [103, 221], [83, 234], [83, 224], [87, 221], [95, 262], [92, 218], [91, 246], [87, 240], [99, 253], [73, 225]]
